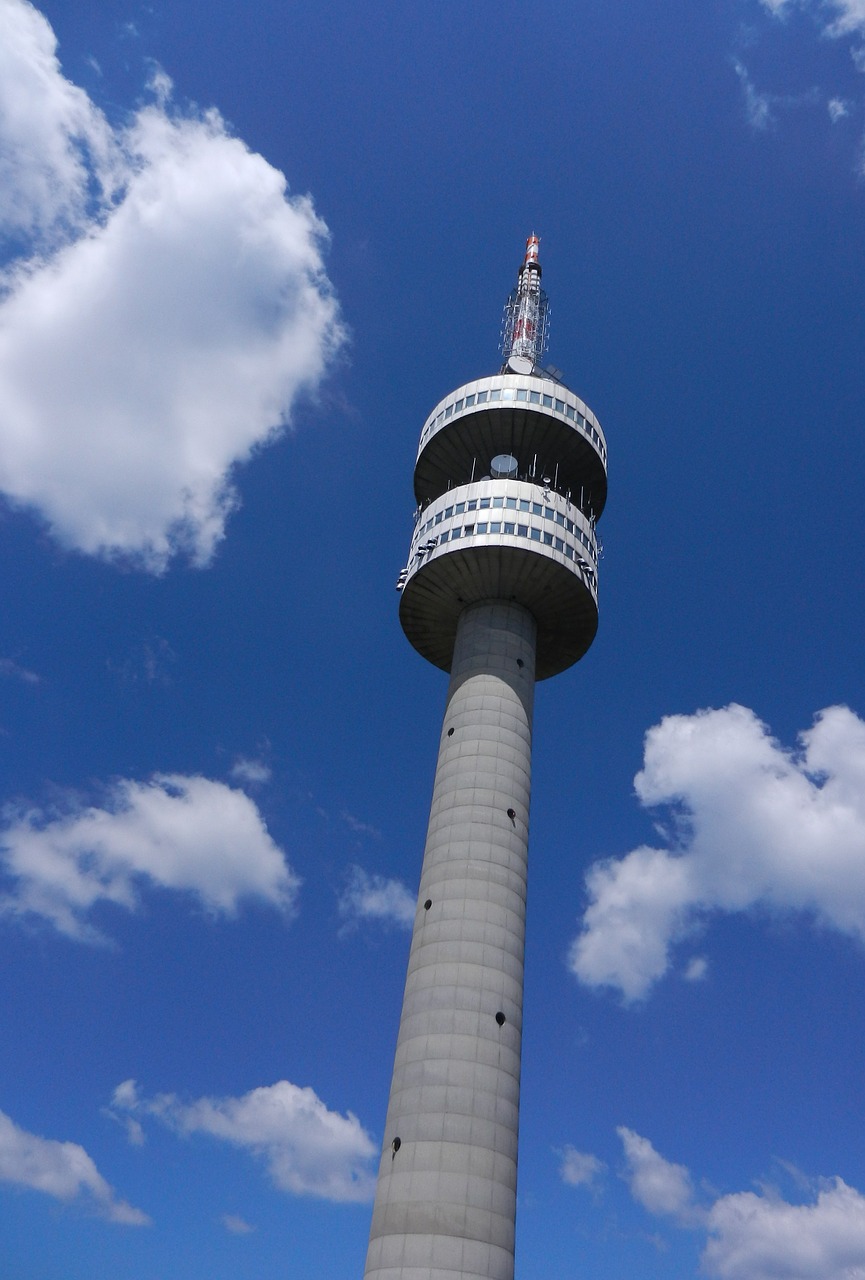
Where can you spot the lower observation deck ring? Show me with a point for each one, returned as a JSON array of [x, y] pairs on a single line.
[[562, 604]]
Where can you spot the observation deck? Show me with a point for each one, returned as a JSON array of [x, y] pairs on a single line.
[[510, 479]]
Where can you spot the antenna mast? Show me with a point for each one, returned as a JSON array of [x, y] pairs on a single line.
[[526, 316]]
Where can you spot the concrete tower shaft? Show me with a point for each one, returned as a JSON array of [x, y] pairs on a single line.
[[446, 1197], [500, 589]]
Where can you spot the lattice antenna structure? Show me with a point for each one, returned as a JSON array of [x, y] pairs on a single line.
[[500, 589], [525, 321]]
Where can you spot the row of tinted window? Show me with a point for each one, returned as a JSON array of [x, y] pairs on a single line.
[[518, 530], [514, 504], [515, 393]]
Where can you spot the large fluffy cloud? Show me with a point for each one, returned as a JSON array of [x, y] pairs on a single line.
[[755, 1235], [60, 1169], [754, 825], [763, 1237], [308, 1149], [171, 308], [54, 143], [174, 832]]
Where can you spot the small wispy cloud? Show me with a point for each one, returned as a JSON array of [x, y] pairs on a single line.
[[696, 969], [134, 1133], [579, 1168], [373, 897], [838, 108], [147, 663], [835, 18], [360, 828], [664, 1188], [850, 17], [236, 1225], [842, 20], [757, 105], [254, 772], [10, 670], [63, 1170]]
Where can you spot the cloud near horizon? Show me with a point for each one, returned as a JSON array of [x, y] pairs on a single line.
[[308, 1150], [189, 834], [753, 826], [63, 1170], [165, 308], [754, 1235]]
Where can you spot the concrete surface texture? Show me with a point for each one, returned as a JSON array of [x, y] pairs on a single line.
[[446, 1196]]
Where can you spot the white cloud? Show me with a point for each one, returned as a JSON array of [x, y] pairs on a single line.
[[134, 1132], [579, 1168], [757, 105], [252, 772], [173, 308], [236, 1225], [373, 897], [756, 1236], [358, 826], [10, 670], [755, 826], [60, 1169], [174, 832], [838, 108], [308, 1149], [762, 1237], [663, 1188], [837, 17], [696, 969], [637, 907], [55, 143], [850, 16], [760, 107]]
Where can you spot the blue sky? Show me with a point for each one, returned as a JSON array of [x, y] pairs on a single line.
[[244, 254]]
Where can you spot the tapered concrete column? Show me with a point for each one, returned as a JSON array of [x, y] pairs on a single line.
[[446, 1197]]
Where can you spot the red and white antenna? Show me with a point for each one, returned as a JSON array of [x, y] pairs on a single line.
[[525, 321]]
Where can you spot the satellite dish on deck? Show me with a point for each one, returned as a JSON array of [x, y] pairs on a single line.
[[520, 364]]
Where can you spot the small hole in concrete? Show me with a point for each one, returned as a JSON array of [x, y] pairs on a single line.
[[450, 733], [520, 663], [427, 904], [512, 814], [500, 1018], [395, 1146]]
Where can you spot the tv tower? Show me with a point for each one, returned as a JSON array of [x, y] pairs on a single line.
[[501, 590]]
